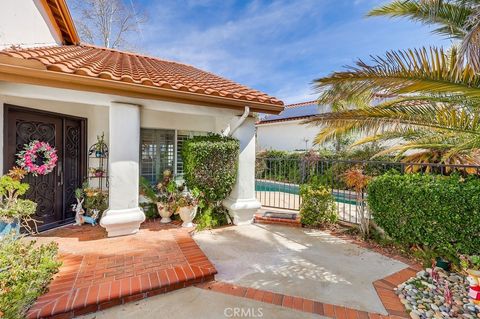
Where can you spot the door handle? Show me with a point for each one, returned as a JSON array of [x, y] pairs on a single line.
[[60, 173]]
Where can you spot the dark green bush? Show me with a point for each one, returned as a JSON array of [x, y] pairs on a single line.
[[210, 165], [25, 272], [432, 212], [318, 205]]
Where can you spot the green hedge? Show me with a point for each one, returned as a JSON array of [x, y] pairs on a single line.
[[435, 212], [210, 164], [25, 272]]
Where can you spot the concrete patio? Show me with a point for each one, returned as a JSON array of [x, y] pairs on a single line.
[[310, 264], [280, 272], [193, 302]]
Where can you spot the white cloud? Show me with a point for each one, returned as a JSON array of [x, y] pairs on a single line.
[[279, 47]]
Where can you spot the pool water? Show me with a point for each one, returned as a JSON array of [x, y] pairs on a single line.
[[267, 186]]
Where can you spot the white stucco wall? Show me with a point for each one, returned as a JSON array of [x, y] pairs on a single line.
[[285, 136], [25, 23], [170, 120], [153, 114]]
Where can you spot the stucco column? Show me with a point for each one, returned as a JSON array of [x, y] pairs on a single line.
[[242, 203], [123, 216]]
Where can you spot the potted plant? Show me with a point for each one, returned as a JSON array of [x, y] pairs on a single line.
[[14, 211], [187, 206], [163, 195], [100, 146], [97, 172], [95, 200]]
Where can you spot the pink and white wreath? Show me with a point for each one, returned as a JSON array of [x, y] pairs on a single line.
[[38, 158]]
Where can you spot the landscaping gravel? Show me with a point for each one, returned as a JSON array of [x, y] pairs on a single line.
[[425, 298]]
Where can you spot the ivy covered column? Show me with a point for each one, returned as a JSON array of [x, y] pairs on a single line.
[[123, 216], [242, 202]]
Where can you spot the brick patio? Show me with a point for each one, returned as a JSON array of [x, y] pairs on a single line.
[[100, 272]]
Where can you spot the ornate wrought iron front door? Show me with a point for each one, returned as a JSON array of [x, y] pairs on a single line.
[[54, 192]]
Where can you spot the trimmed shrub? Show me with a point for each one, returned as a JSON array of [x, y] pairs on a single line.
[[25, 272], [210, 165], [318, 205], [438, 213]]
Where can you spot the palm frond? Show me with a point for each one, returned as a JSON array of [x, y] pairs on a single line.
[[380, 119], [451, 17], [419, 71]]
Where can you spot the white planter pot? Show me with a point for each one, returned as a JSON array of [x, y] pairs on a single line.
[[164, 213], [187, 214]]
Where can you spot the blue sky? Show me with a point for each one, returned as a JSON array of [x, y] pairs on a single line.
[[278, 47]]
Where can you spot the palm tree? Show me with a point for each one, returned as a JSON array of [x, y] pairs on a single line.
[[423, 97], [456, 19]]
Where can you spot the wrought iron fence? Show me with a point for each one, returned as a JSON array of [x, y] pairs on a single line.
[[278, 180]]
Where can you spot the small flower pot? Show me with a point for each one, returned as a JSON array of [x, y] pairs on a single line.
[[99, 174], [442, 263], [187, 214], [164, 213]]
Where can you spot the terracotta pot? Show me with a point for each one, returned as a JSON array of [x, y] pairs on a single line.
[[164, 213], [187, 214]]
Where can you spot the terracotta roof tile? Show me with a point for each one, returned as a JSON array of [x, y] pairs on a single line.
[[97, 62]]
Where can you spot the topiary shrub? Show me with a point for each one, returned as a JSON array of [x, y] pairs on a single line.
[[432, 212], [25, 272], [318, 206], [210, 165]]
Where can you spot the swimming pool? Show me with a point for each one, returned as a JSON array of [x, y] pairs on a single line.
[[270, 186]]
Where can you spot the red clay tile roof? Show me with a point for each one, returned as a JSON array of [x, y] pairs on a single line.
[[96, 62], [301, 104]]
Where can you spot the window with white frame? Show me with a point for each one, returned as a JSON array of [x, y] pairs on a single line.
[[162, 149]]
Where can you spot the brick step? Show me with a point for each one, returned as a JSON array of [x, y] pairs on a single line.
[[107, 272], [262, 219], [99, 297]]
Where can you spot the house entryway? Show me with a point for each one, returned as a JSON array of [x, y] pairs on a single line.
[[54, 193]]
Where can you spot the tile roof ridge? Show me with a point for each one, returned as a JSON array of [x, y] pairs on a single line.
[[301, 104]]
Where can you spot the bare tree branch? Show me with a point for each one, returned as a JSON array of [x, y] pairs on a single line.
[[109, 23]]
